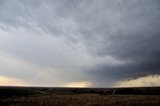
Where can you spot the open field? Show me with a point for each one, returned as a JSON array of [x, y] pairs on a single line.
[[23, 96], [83, 100]]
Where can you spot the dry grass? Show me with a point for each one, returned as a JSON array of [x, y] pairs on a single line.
[[83, 100]]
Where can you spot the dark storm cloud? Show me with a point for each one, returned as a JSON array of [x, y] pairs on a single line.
[[136, 39], [109, 74], [124, 33]]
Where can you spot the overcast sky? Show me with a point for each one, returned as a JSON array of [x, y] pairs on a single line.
[[80, 43]]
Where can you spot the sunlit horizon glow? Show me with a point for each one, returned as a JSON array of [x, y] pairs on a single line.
[[8, 81], [147, 81], [78, 84]]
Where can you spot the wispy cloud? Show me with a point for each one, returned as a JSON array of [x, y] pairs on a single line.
[[99, 42]]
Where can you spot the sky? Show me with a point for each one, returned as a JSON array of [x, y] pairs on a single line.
[[80, 43]]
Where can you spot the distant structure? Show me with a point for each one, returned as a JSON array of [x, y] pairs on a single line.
[[113, 92]]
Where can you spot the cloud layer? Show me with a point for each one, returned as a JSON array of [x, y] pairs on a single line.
[[54, 43]]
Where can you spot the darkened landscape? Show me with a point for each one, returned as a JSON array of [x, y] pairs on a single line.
[[48, 96]]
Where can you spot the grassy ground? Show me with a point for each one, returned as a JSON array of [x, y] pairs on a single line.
[[82, 100]]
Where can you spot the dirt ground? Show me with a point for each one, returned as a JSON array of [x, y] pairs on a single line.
[[82, 100]]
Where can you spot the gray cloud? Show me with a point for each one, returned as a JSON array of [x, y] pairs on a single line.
[[104, 41]]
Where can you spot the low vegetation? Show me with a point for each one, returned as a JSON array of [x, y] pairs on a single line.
[[76, 97]]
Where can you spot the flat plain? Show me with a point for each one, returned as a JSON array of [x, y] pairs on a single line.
[[24, 96]]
